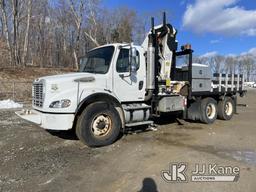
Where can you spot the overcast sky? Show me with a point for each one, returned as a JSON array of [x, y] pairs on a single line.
[[212, 26]]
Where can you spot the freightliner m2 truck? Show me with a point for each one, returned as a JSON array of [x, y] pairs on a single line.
[[123, 85]]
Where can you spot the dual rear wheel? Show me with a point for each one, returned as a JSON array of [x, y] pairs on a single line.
[[226, 108], [211, 110]]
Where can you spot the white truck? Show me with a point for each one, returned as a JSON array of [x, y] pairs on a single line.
[[122, 85], [251, 84]]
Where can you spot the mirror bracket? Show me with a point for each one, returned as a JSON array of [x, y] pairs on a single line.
[[132, 58]]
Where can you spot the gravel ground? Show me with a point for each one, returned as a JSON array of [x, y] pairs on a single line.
[[33, 159]]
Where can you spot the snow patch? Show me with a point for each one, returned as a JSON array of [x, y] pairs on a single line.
[[9, 104]]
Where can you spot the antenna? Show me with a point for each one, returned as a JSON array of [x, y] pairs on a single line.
[[164, 19], [153, 25]]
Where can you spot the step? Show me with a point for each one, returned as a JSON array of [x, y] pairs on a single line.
[[136, 107], [139, 123]]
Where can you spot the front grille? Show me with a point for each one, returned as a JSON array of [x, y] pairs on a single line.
[[38, 94]]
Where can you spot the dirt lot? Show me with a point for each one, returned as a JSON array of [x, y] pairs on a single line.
[[33, 159]]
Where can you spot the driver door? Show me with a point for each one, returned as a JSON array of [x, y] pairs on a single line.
[[129, 86]]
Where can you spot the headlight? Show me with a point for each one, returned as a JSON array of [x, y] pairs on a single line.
[[61, 104]]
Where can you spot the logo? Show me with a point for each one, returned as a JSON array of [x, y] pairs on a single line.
[[176, 173], [54, 87], [201, 173]]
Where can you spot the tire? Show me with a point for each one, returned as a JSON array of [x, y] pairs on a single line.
[[98, 125], [208, 108], [226, 108]]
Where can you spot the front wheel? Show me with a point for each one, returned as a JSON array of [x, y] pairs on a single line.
[[208, 110], [98, 125]]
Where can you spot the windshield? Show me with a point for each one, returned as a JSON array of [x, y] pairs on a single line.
[[97, 61]]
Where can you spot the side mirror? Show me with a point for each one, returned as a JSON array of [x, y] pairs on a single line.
[[133, 59]]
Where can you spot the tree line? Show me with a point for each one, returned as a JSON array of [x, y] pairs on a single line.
[[242, 64], [50, 33], [54, 33]]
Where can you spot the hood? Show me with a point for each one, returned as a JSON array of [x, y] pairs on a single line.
[[68, 77], [66, 86]]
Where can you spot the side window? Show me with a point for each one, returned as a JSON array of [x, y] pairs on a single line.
[[122, 64]]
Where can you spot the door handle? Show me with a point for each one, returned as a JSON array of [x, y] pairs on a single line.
[[123, 76], [141, 83]]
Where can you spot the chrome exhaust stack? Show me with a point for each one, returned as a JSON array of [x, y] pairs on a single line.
[[150, 85]]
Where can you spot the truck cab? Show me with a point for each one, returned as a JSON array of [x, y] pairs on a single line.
[[114, 63]]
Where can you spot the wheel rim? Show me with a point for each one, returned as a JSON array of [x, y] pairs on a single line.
[[228, 108], [210, 111], [101, 125]]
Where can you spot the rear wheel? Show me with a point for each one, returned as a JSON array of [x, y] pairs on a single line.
[[208, 110], [226, 108], [98, 125]]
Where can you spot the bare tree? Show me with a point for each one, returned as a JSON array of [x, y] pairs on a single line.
[[118, 25], [216, 62], [230, 64], [78, 17], [15, 31], [249, 65], [5, 27], [92, 29], [1, 26], [26, 39], [42, 34]]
